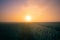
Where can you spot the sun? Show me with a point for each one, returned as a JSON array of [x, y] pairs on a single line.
[[28, 18]]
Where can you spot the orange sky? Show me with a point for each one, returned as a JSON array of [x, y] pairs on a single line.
[[39, 11]]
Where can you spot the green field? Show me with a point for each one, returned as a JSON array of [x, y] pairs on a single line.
[[30, 31]]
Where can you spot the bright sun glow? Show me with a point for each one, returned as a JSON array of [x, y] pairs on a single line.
[[28, 18]]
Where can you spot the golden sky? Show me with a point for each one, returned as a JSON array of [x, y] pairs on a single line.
[[39, 10]]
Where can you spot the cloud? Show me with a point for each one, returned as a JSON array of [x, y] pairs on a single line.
[[17, 8]]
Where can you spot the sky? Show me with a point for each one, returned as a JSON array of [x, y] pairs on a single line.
[[39, 10]]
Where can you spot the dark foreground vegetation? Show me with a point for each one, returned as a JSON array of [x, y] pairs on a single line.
[[30, 31]]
